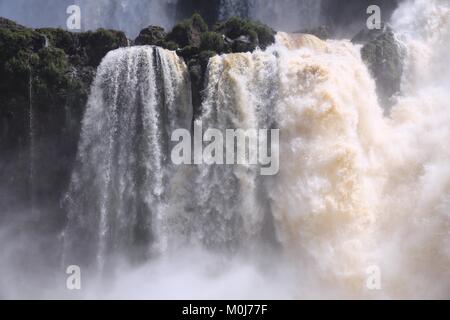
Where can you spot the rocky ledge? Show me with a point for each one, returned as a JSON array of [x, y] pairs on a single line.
[[384, 55]]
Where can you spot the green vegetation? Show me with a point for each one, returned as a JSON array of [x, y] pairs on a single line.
[[384, 56], [188, 31], [48, 71], [196, 44], [212, 41], [152, 35], [244, 35]]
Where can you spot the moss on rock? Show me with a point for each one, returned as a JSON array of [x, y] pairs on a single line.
[[152, 35], [384, 57], [47, 73], [196, 44], [188, 32], [212, 41], [245, 35], [98, 43]]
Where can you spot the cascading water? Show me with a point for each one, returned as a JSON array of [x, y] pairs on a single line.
[[325, 183], [350, 178], [355, 189], [120, 186], [232, 203]]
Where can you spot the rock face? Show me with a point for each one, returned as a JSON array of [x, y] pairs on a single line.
[[152, 35], [384, 56], [49, 73], [245, 35], [188, 32]]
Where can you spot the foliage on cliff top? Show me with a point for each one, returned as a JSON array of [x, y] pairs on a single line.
[[256, 33], [152, 35], [90, 46], [51, 69], [384, 57], [191, 36], [188, 31]]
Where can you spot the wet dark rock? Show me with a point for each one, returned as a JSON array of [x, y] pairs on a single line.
[[384, 56], [188, 52], [59, 38], [198, 66], [49, 72], [244, 35], [95, 45], [188, 32], [366, 35], [212, 41], [86, 48], [152, 35]]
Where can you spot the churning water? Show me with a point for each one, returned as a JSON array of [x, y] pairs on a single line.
[[356, 189]]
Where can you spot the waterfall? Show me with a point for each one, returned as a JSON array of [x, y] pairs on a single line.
[[324, 200], [327, 132], [420, 173], [353, 184], [231, 199], [120, 186], [355, 190], [284, 15]]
